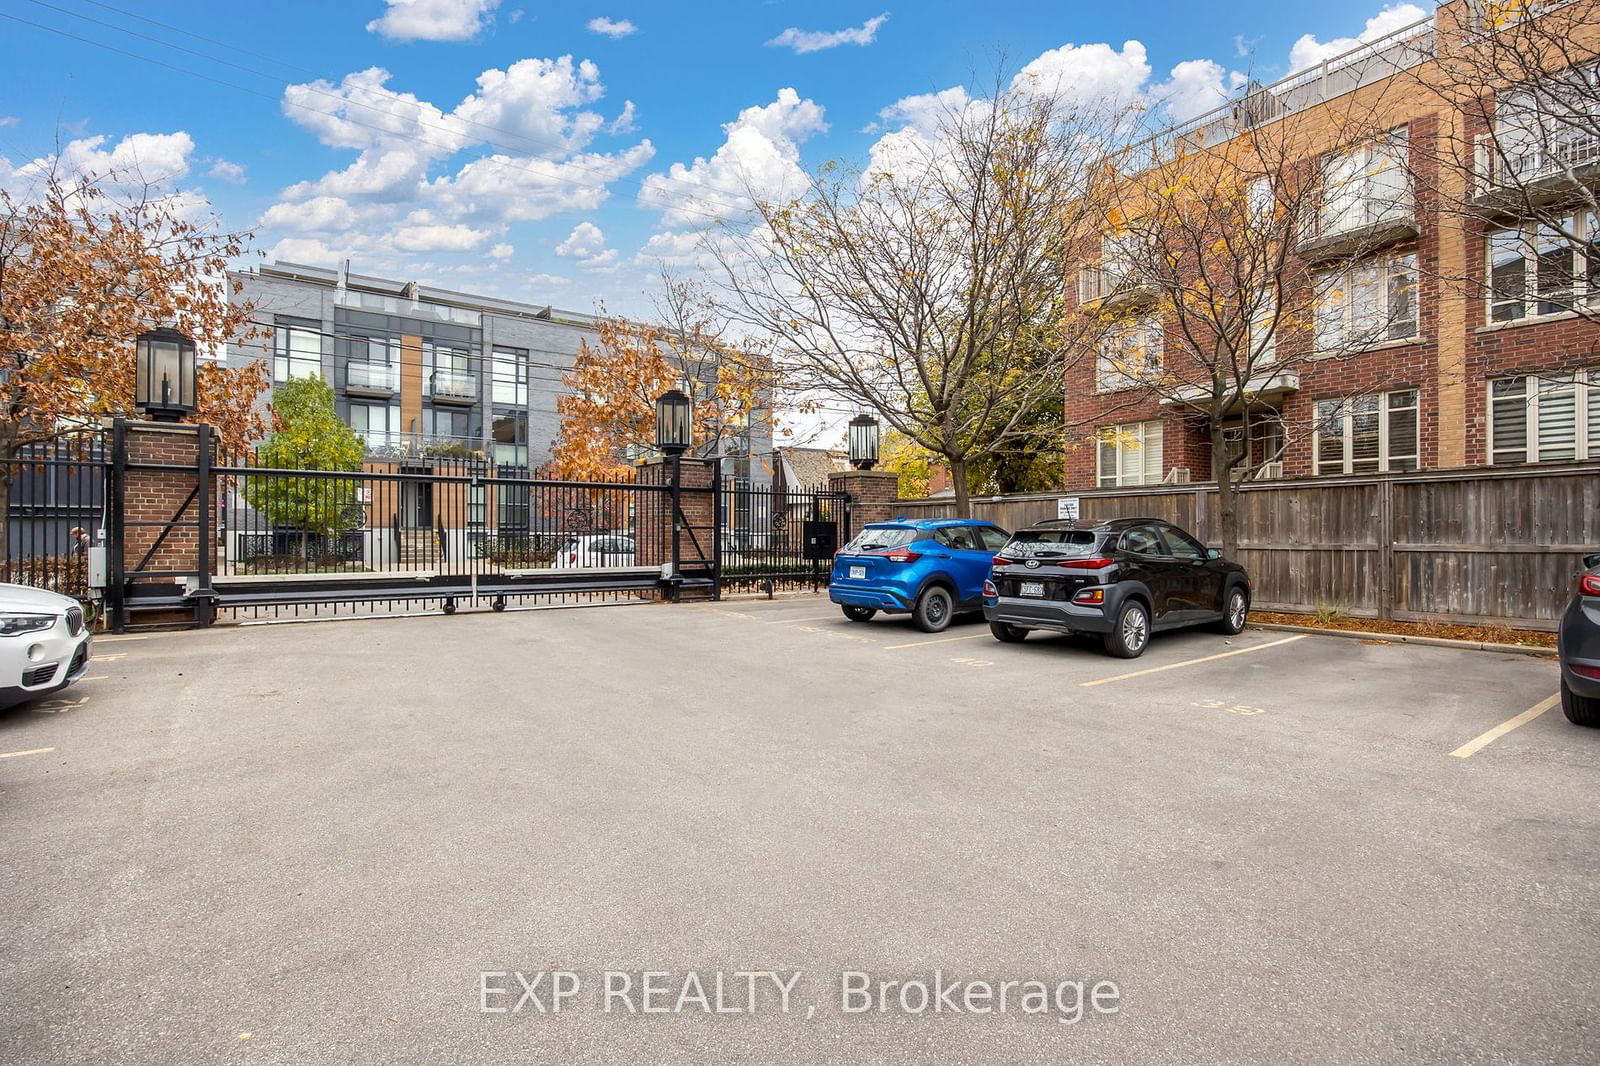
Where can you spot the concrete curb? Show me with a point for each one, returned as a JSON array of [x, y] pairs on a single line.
[[1401, 638]]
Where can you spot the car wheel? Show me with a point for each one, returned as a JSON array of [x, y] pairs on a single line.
[[1580, 710], [1234, 612], [1128, 638], [934, 610], [859, 614], [1008, 633]]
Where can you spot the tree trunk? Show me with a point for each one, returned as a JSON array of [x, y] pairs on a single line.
[[1227, 501], [958, 482]]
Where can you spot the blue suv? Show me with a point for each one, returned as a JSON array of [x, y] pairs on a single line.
[[933, 568]]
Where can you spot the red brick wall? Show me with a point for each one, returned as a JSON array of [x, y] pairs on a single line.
[[160, 495], [696, 544], [874, 494]]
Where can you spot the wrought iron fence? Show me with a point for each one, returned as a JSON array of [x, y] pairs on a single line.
[[765, 542], [54, 495]]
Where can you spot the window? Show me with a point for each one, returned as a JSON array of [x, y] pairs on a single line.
[[510, 434], [509, 370], [376, 424], [1367, 434], [513, 505], [1365, 186], [449, 370], [1143, 540], [1130, 353], [1548, 129], [1367, 303], [1262, 340], [373, 363], [960, 538], [477, 502], [993, 539], [1543, 420], [1535, 269], [1130, 454], [446, 426], [1181, 545], [296, 353]]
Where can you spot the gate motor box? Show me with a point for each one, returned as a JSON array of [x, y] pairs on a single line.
[[821, 539]]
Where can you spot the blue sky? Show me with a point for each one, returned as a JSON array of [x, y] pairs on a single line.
[[558, 152]]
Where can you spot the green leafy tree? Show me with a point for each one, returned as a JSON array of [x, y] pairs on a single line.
[[311, 437]]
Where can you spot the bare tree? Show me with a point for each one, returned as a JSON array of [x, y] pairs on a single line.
[[928, 287], [1236, 255]]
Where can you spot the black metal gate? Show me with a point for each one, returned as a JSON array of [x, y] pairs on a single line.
[[781, 537]]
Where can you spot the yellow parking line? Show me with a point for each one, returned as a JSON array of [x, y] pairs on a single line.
[[1194, 662], [30, 751], [112, 640], [941, 640], [798, 621], [1483, 740]]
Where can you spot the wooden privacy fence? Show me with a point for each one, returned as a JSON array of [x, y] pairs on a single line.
[[1489, 546]]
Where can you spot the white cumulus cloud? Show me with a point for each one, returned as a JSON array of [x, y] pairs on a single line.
[[1194, 87], [433, 20], [1086, 73], [803, 41], [613, 28], [232, 173], [759, 157], [1308, 51]]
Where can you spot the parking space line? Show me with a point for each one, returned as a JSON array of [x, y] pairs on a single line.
[[797, 621], [30, 751], [1483, 740], [113, 640], [1194, 662], [940, 640]]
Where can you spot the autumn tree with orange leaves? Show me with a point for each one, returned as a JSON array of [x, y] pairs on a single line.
[[84, 269], [609, 415]]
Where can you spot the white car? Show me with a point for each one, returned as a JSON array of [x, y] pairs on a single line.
[[595, 550], [44, 645]]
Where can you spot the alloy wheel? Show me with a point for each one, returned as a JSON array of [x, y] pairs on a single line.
[[1236, 610], [1135, 631]]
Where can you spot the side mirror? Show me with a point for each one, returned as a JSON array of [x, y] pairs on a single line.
[[1591, 561], [1212, 553]]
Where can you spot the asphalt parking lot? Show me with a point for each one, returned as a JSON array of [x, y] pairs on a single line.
[[306, 843]]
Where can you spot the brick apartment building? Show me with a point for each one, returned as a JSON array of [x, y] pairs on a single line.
[[1475, 364]]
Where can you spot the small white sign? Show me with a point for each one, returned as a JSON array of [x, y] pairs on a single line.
[[1067, 508], [365, 494]]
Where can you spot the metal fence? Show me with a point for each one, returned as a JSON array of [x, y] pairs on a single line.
[[54, 495], [1489, 546], [780, 537]]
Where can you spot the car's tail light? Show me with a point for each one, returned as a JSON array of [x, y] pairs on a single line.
[[1093, 562], [1001, 560], [1093, 597], [901, 555], [1589, 584], [1585, 671], [989, 591]]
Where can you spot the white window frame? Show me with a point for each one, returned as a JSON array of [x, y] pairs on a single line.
[[1371, 166], [290, 361], [1527, 235], [1343, 280], [1346, 414], [1149, 434], [509, 371], [1557, 135], [1585, 387], [1113, 372]]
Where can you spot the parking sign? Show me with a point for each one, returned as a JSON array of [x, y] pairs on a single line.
[[1067, 508]]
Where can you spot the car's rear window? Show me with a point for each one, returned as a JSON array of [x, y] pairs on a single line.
[[874, 538], [1025, 542]]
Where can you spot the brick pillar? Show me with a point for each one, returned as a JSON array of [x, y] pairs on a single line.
[[157, 496], [874, 494], [653, 522]]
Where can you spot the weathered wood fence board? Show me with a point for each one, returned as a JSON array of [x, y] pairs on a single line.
[[1491, 545]]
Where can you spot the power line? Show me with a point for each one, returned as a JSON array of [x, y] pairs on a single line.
[[698, 198]]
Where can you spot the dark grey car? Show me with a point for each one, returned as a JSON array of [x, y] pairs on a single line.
[[1124, 579], [1579, 644]]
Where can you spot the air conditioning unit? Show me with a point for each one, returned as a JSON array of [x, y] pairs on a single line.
[[1178, 475], [1269, 471]]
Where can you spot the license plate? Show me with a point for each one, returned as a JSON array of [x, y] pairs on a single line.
[[1032, 588], [858, 573]]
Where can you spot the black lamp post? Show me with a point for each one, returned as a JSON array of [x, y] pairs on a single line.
[[863, 441], [674, 435], [164, 375]]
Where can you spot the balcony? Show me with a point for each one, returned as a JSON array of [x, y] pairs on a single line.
[[397, 445], [1270, 387], [1112, 289], [453, 386], [1370, 225], [371, 379], [1506, 179]]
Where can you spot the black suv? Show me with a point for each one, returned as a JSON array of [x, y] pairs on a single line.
[[1124, 578]]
